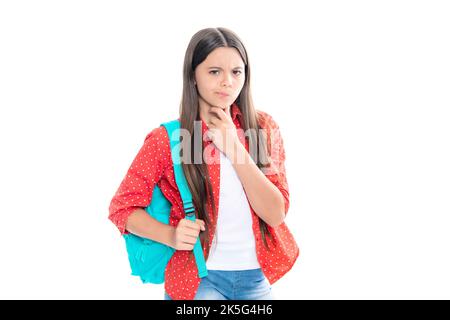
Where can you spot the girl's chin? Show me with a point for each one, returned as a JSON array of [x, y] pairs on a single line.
[[222, 104]]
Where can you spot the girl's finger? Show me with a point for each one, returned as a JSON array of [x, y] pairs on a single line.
[[216, 111], [202, 224]]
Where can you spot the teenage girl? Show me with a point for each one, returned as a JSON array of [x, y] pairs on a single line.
[[237, 179]]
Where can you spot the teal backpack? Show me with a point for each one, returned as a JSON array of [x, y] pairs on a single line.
[[148, 259]]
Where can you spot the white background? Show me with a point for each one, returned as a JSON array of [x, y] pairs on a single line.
[[360, 90]]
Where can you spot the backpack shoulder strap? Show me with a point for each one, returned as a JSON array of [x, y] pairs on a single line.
[[173, 131]]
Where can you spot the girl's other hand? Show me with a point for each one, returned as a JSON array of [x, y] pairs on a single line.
[[186, 234]]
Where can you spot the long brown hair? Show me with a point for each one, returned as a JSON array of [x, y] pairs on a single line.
[[201, 45]]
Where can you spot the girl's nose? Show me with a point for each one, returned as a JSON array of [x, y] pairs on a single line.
[[227, 81]]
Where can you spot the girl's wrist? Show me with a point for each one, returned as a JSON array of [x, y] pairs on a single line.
[[170, 236], [238, 153]]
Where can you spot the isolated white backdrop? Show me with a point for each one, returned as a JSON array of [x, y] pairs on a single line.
[[360, 90]]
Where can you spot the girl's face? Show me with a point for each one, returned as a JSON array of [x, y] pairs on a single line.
[[220, 78]]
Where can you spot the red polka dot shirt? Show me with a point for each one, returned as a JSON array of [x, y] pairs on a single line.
[[153, 166]]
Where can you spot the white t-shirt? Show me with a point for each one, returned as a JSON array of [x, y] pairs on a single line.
[[233, 246]]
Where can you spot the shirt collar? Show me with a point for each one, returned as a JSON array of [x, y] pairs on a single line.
[[235, 111]]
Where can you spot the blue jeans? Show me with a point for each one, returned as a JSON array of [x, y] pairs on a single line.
[[233, 285]]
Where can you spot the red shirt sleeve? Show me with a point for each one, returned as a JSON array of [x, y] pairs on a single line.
[[276, 171], [144, 173]]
